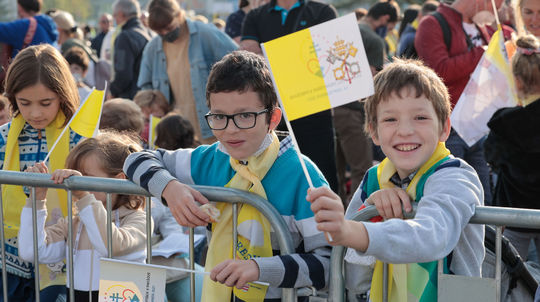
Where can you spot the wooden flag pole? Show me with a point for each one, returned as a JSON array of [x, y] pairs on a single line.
[[291, 132], [496, 14]]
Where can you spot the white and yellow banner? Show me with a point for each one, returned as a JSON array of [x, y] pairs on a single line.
[[490, 87], [320, 67], [130, 282]]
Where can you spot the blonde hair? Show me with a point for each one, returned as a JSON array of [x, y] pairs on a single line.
[[407, 74], [111, 148], [145, 98], [42, 64], [526, 64]]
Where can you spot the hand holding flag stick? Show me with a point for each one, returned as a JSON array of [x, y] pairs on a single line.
[[333, 71]]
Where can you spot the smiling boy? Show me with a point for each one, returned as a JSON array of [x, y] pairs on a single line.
[[248, 156], [408, 116]]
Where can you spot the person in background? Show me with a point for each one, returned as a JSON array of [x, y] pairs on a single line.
[[512, 147], [67, 27], [175, 132], [122, 115], [128, 48], [233, 26], [78, 65], [177, 61], [105, 24], [408, 32], [151, 102]]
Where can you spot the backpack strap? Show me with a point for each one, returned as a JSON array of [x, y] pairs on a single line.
[[30, 32], [447, 34]]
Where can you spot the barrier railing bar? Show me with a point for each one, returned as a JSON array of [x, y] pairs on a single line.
[[71, 272], [120, 186], [498, 216], [3, 251], [149, 231], [34, 230]]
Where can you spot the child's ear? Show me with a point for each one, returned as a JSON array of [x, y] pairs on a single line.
[[275, 118], [445, 131], [374, 136]]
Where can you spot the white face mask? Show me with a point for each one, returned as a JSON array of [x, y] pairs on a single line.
[[78, 77]]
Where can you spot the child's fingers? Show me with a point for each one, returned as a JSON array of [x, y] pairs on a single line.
[[405, 199], [314, 193]]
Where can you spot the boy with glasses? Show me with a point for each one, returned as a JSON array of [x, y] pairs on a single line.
[[248, 156]]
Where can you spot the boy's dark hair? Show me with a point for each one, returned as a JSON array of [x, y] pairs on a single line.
[[242, 71], [30, 5], [410, 75], [381, 9], [76, 55], [429, 7], [174, 132]]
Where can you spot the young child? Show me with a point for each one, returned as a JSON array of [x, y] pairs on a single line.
[[78, 64], [121, 115], [102, 156], [248, 156], [512, 147], [408, 116], [175, 132], [152, 102], [43, 97]]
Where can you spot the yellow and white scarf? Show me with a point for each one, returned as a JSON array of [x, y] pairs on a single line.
[[250, 223], [13, 196]]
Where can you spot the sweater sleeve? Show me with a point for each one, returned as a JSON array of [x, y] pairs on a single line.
[[153, 170], [308, 267], [442, 214], [51, 239], [129, 237], [12, 32]]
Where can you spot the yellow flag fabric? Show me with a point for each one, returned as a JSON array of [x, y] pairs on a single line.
[[13, 196], [152, 132], [320, 67], [253, 243], [406, 282], [86, 120]]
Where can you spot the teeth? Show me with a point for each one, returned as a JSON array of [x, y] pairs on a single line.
[[407, 147]]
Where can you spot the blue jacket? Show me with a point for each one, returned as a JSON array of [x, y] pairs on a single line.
[[207, 45], [13, 33]]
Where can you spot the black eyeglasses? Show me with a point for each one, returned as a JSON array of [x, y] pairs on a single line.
[[242, 120]]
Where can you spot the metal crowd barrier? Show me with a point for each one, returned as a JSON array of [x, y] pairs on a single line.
[[118, 186], [497, 216]]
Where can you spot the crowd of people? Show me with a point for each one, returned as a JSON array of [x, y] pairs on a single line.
[[209, 85]]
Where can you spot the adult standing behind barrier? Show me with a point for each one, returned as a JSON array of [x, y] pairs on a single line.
[[248, 156], [178, 61], [31, 28], [277, 18], [454, 62], [105, 25], [128, 48], [409, 117], [512, 146], [43, 97]]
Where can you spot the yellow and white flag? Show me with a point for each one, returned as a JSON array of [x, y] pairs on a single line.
[[152, 131], [320, 67], [130, 282], [86, 119], [491, 87]]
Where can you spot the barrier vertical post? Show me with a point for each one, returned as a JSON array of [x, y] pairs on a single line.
[[149, 230], [109, 225], [192, 263], [2, 242], [35, 239], [71, 274], [498, 256]]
